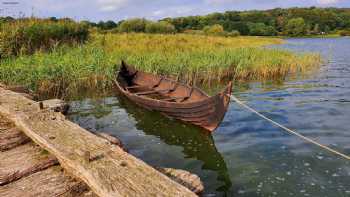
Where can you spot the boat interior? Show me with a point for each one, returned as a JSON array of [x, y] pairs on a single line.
[[157, 87]]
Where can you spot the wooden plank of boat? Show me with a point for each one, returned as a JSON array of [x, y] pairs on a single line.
[[183, 102], [106, 169]]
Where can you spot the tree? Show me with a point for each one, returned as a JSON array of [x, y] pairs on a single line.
[[296, 27], [260, 29], [107, 25], [133, 25], [159, 27], [316, 29]]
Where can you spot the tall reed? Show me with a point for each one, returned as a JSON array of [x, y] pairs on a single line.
[[27, 35], [191, 58]]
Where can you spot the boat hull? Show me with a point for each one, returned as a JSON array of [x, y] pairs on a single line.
[[206, 112]]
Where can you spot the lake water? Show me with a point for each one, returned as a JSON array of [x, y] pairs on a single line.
[[248, 156]]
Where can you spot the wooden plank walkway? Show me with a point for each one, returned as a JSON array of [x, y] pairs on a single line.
[[28, 170], [105, 168]]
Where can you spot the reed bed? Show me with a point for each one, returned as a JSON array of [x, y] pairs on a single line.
[[191, 58], [28, 35]]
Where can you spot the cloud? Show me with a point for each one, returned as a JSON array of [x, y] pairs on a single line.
[[154, 9], [218, 2], [326, 2], [172, 12], [111, 5]]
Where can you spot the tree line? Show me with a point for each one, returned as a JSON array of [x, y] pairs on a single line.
[[291, 21], [274, 22]]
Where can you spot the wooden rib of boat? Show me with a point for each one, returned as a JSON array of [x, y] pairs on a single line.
[[173, 99]]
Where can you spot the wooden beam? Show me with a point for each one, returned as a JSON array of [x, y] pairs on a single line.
[[23, 161], [153, 92], [10, 136], [50, 182], [106, 169]]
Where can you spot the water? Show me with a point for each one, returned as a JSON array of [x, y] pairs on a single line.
[[247, 156]]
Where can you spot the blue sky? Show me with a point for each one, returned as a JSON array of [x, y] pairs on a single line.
[[96, 10]]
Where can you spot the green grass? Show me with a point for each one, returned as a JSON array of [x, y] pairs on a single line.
[[28, 35], [191, 58]]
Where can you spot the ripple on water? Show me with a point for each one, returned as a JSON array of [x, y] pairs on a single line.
[[248, 156]]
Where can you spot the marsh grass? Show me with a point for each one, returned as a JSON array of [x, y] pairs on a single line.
[[28, 35], [194, 59]]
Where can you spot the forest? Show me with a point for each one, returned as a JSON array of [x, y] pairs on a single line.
[[293, 22], [290, 22]]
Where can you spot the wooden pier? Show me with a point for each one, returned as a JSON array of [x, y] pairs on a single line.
[[43, 154]]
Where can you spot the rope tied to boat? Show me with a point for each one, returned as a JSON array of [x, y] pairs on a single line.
[[289, 130]]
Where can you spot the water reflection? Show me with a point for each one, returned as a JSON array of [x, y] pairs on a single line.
[[196, 142]]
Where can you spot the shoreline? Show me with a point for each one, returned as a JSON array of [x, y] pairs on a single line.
[[51, 155]]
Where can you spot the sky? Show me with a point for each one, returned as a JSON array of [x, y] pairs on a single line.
[[96, 10]]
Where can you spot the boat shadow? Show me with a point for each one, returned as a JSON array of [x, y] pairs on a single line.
[[196, 142]]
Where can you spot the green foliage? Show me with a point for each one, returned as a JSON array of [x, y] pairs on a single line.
[[233, 33], [133, 25], [159, 27], [192, 58], [260, 29], [6, 19], [215, 30], [26, 36], [316, 29], [344, 32], [108, 25], [296, 27], [275, 20]]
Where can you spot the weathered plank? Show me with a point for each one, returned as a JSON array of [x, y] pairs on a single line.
[[10, 136], [24, 91], [50, 182], [56, 105], [185, 178], [106, 169], [23, 161]]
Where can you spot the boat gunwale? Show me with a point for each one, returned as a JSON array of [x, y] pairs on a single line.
[[196, 110]]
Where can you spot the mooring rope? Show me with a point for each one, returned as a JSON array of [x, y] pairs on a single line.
[[289, 130]]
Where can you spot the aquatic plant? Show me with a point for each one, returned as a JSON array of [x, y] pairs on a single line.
[[195, 59]]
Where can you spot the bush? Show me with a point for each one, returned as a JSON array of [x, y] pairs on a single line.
[[216, 30], [233, 33], [133, 25], [192, 31], [159, 27], [344, 33], [25, 36]]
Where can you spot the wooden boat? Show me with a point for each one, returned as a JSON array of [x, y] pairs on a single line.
[[173, 99]]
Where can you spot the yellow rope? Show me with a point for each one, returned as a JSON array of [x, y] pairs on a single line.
[[289, 130]]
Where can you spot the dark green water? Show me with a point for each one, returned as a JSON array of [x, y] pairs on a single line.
[[247, 156]]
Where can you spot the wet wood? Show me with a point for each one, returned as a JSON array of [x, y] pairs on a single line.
[[185, 178], [50, 182], [109, 171]]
